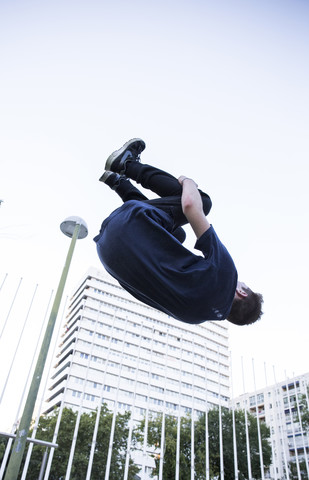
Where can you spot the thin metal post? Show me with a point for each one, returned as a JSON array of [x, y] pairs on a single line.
[[282, 429], [258, 425], [17, 346], [246, 424], [99, 408], [115, 412], [25, 422], [131, 422], [192, 413], [293, 427], [162, 443], [43, 465], [220, 422], [234, 425], [5, 277], [145, 442], [177, 468], [274, 454], [10, 309], [207, 469]]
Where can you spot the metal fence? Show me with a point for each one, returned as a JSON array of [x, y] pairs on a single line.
[[24, 313]]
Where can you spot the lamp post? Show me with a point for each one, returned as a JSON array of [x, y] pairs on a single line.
[[75, 228]]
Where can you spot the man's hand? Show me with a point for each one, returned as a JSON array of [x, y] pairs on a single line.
[[192, 206], [183, 177]]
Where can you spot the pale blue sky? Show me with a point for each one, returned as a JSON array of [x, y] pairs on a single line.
[[219, 92]]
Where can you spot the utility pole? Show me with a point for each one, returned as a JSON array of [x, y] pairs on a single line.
[[75, 228]]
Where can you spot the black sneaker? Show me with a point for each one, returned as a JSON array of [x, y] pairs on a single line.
[[131, 150], [111, 179]]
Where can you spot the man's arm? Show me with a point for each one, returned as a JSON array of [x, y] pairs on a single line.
[[192, 206]]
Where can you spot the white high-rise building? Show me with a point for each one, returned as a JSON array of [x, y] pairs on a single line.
[[279, 406], [119, 351]]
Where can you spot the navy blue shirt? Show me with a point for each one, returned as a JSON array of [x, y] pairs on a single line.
[[136, 247]]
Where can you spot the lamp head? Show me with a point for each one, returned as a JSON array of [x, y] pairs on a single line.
[[68, 226]]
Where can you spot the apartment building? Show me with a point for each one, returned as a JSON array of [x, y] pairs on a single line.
[[118, 351], [280, 406]]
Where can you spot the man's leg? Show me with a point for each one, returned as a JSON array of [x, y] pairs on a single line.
[[126, 191], [122, 186], [166, 186], [126, 160], [154, 179]]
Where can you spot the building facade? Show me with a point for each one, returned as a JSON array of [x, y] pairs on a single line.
[[118, 351], [280, 407]]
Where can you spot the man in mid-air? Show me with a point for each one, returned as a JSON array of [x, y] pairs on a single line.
[[141, 245]]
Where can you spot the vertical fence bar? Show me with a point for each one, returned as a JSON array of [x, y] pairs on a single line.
[[111, 438], [207, 466], [162, 443], [192, 412], [97, 420], [246, 424], [10, 440], [131, 423], [179, 415], [234, 425], [11, 306], [3, 281], [18, 343], [220, 421], [43, 464], [271, 436], [145, 442], [80, 408], [57, 426], [258, 425], [293, 428], [282, 432]]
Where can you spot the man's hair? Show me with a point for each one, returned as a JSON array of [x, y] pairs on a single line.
[[246, 310]]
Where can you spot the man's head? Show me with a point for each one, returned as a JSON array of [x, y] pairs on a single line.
[[246, 307]]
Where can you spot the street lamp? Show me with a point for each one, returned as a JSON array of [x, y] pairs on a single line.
[[75, 228]]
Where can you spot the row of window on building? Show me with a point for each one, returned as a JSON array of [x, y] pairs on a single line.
[[139, 410]]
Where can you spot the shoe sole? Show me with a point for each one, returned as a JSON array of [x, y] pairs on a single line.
[[138, 144], [105, 176]]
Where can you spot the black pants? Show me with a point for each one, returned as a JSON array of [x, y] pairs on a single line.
[[163, 184]]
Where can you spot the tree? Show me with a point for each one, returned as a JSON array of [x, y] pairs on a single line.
[[304, 411], [3, 444], [227, 443], [293, 471], [45, 432], [303, 419], [154, 439]]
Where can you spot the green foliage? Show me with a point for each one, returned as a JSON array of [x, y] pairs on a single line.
[[293, 471], [3, 443], [169, 464], [304, 412], [304, 420], [46, 430]]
